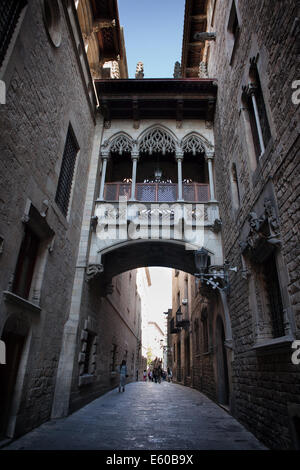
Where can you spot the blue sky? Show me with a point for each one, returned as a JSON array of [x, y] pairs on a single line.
[[153, 32]]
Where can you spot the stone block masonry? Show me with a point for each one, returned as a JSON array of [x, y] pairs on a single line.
[[265, 382], [45, 93]]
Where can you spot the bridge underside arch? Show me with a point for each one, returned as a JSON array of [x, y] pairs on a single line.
[[141, 253]]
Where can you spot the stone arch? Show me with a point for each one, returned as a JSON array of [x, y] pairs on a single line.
[[157, 138], [147, 252], [196, 143]]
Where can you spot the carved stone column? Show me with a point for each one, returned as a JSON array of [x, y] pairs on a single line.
[[209, 158], [105, 157], [134, 156], [179, 158], [250, 90]]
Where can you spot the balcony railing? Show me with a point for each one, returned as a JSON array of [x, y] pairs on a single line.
[[157, 192]]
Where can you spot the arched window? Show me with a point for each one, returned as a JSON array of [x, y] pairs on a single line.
[[255, 105], [235, 190]]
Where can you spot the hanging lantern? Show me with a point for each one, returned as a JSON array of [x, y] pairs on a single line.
[[201, 259]]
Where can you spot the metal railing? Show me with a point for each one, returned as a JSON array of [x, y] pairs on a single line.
[[157, 192]]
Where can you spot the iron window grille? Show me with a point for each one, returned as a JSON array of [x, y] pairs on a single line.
[[9, 14], [64, 186]]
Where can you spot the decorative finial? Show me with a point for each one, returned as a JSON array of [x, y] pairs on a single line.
[[177, 70], [139, 73]]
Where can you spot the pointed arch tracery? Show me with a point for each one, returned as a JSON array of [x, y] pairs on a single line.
[[121, 143], [194, 143], [157, 139]]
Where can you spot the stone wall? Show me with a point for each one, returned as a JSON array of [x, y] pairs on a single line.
[[45, 92], [117, 320], [265, 382]]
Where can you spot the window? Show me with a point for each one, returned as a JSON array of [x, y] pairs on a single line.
[[64, 187], [52, 19], [262, 113], [25, 264], [255, 105], [273, 296], [235, 187], [9, 14], [88, 353], [233, 24], [233, 31]]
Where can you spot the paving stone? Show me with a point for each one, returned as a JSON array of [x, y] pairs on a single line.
[[147, 416]]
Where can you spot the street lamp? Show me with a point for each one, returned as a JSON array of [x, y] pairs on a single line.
[[201, 261], [215, 276]]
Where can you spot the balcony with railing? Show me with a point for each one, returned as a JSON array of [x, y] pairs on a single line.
[[156, 192]]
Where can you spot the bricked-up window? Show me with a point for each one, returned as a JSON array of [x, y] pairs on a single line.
[[9, 14], [65, 181], [274, 299], [25, 264]]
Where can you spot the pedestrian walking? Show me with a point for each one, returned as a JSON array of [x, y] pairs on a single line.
[[145, 375], [169, 375], [123, 375], [159, 374]]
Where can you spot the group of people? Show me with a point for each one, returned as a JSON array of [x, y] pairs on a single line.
[[156, 374]]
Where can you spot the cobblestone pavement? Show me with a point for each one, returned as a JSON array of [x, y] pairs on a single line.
[[146, 416]]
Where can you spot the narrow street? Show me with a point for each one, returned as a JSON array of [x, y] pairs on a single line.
[[147, 416]]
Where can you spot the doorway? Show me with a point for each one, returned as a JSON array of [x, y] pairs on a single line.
[[8, 375]]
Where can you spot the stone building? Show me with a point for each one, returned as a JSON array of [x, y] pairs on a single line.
[[239, 351], [50, 131]]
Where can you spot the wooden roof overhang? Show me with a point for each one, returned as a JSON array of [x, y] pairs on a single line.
[[195, 21], [157, 98], [107, 28]]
